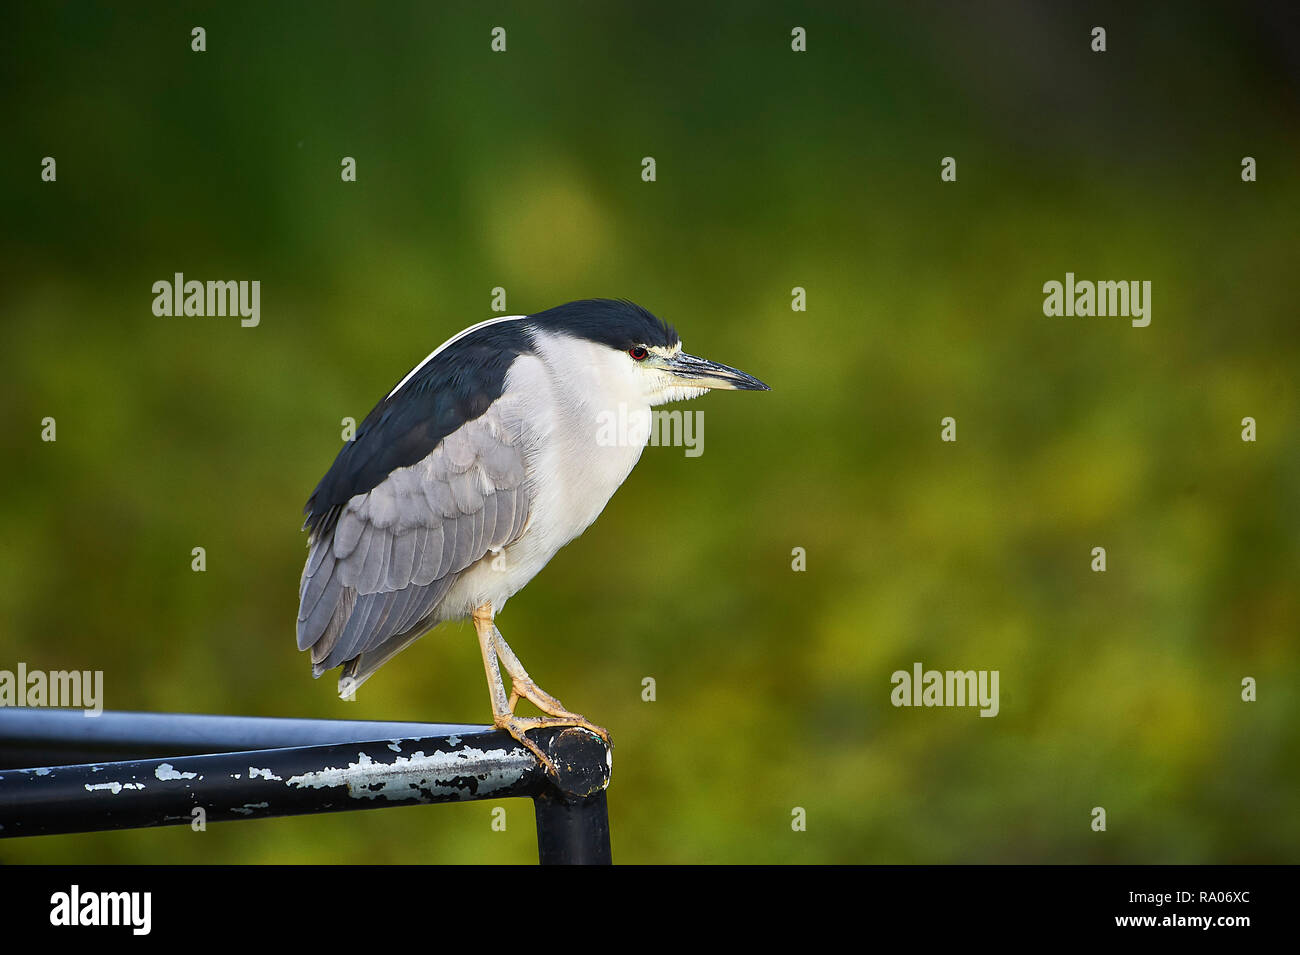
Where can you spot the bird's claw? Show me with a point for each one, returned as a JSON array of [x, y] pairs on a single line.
[[521, 690], [517, 726], [514, 725]]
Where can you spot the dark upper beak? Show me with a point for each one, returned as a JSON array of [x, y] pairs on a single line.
[[702, 373]]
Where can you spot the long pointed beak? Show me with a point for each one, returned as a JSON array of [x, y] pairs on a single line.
[[695, 372]]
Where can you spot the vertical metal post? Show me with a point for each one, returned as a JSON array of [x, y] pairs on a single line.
[[572, 830], [572, 815]]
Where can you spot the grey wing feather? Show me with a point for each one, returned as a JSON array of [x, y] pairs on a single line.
[[372, 583]]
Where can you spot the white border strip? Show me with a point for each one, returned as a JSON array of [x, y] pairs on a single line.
[[450, 341]]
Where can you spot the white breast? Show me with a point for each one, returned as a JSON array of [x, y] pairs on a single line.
[[573, 468]]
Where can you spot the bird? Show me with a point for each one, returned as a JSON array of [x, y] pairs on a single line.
[[463, 482]]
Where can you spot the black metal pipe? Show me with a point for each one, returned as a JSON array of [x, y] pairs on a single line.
[[572, 830], [572, 817], [45, 737], [334, 775], [262, 783]]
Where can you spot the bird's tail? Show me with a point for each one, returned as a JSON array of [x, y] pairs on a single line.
[[361, 668]]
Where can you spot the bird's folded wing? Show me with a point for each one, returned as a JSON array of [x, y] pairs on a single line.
[[379, 572]]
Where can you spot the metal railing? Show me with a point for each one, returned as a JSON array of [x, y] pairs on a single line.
[[61, 772]]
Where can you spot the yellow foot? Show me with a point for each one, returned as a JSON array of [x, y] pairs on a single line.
[[521, 690], [517, 726]]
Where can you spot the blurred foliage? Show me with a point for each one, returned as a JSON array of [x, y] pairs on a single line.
[[775, 169]]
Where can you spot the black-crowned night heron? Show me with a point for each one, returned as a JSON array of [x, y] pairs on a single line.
[[485, 459]]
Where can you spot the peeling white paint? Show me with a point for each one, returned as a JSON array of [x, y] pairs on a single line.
[[247, 808], [453, 740], [43, 771], [167, 771], [394, 780], [394, 747], [114, 788], [255, 773]]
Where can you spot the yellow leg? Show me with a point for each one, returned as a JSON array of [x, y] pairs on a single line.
[[492, 646], [523, 687]]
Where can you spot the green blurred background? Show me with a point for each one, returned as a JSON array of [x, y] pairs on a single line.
[[775, 169]]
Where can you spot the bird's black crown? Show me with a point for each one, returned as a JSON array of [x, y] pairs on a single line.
[[613, 322]]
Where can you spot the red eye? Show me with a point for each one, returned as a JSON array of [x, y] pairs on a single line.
[[638, 353]]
